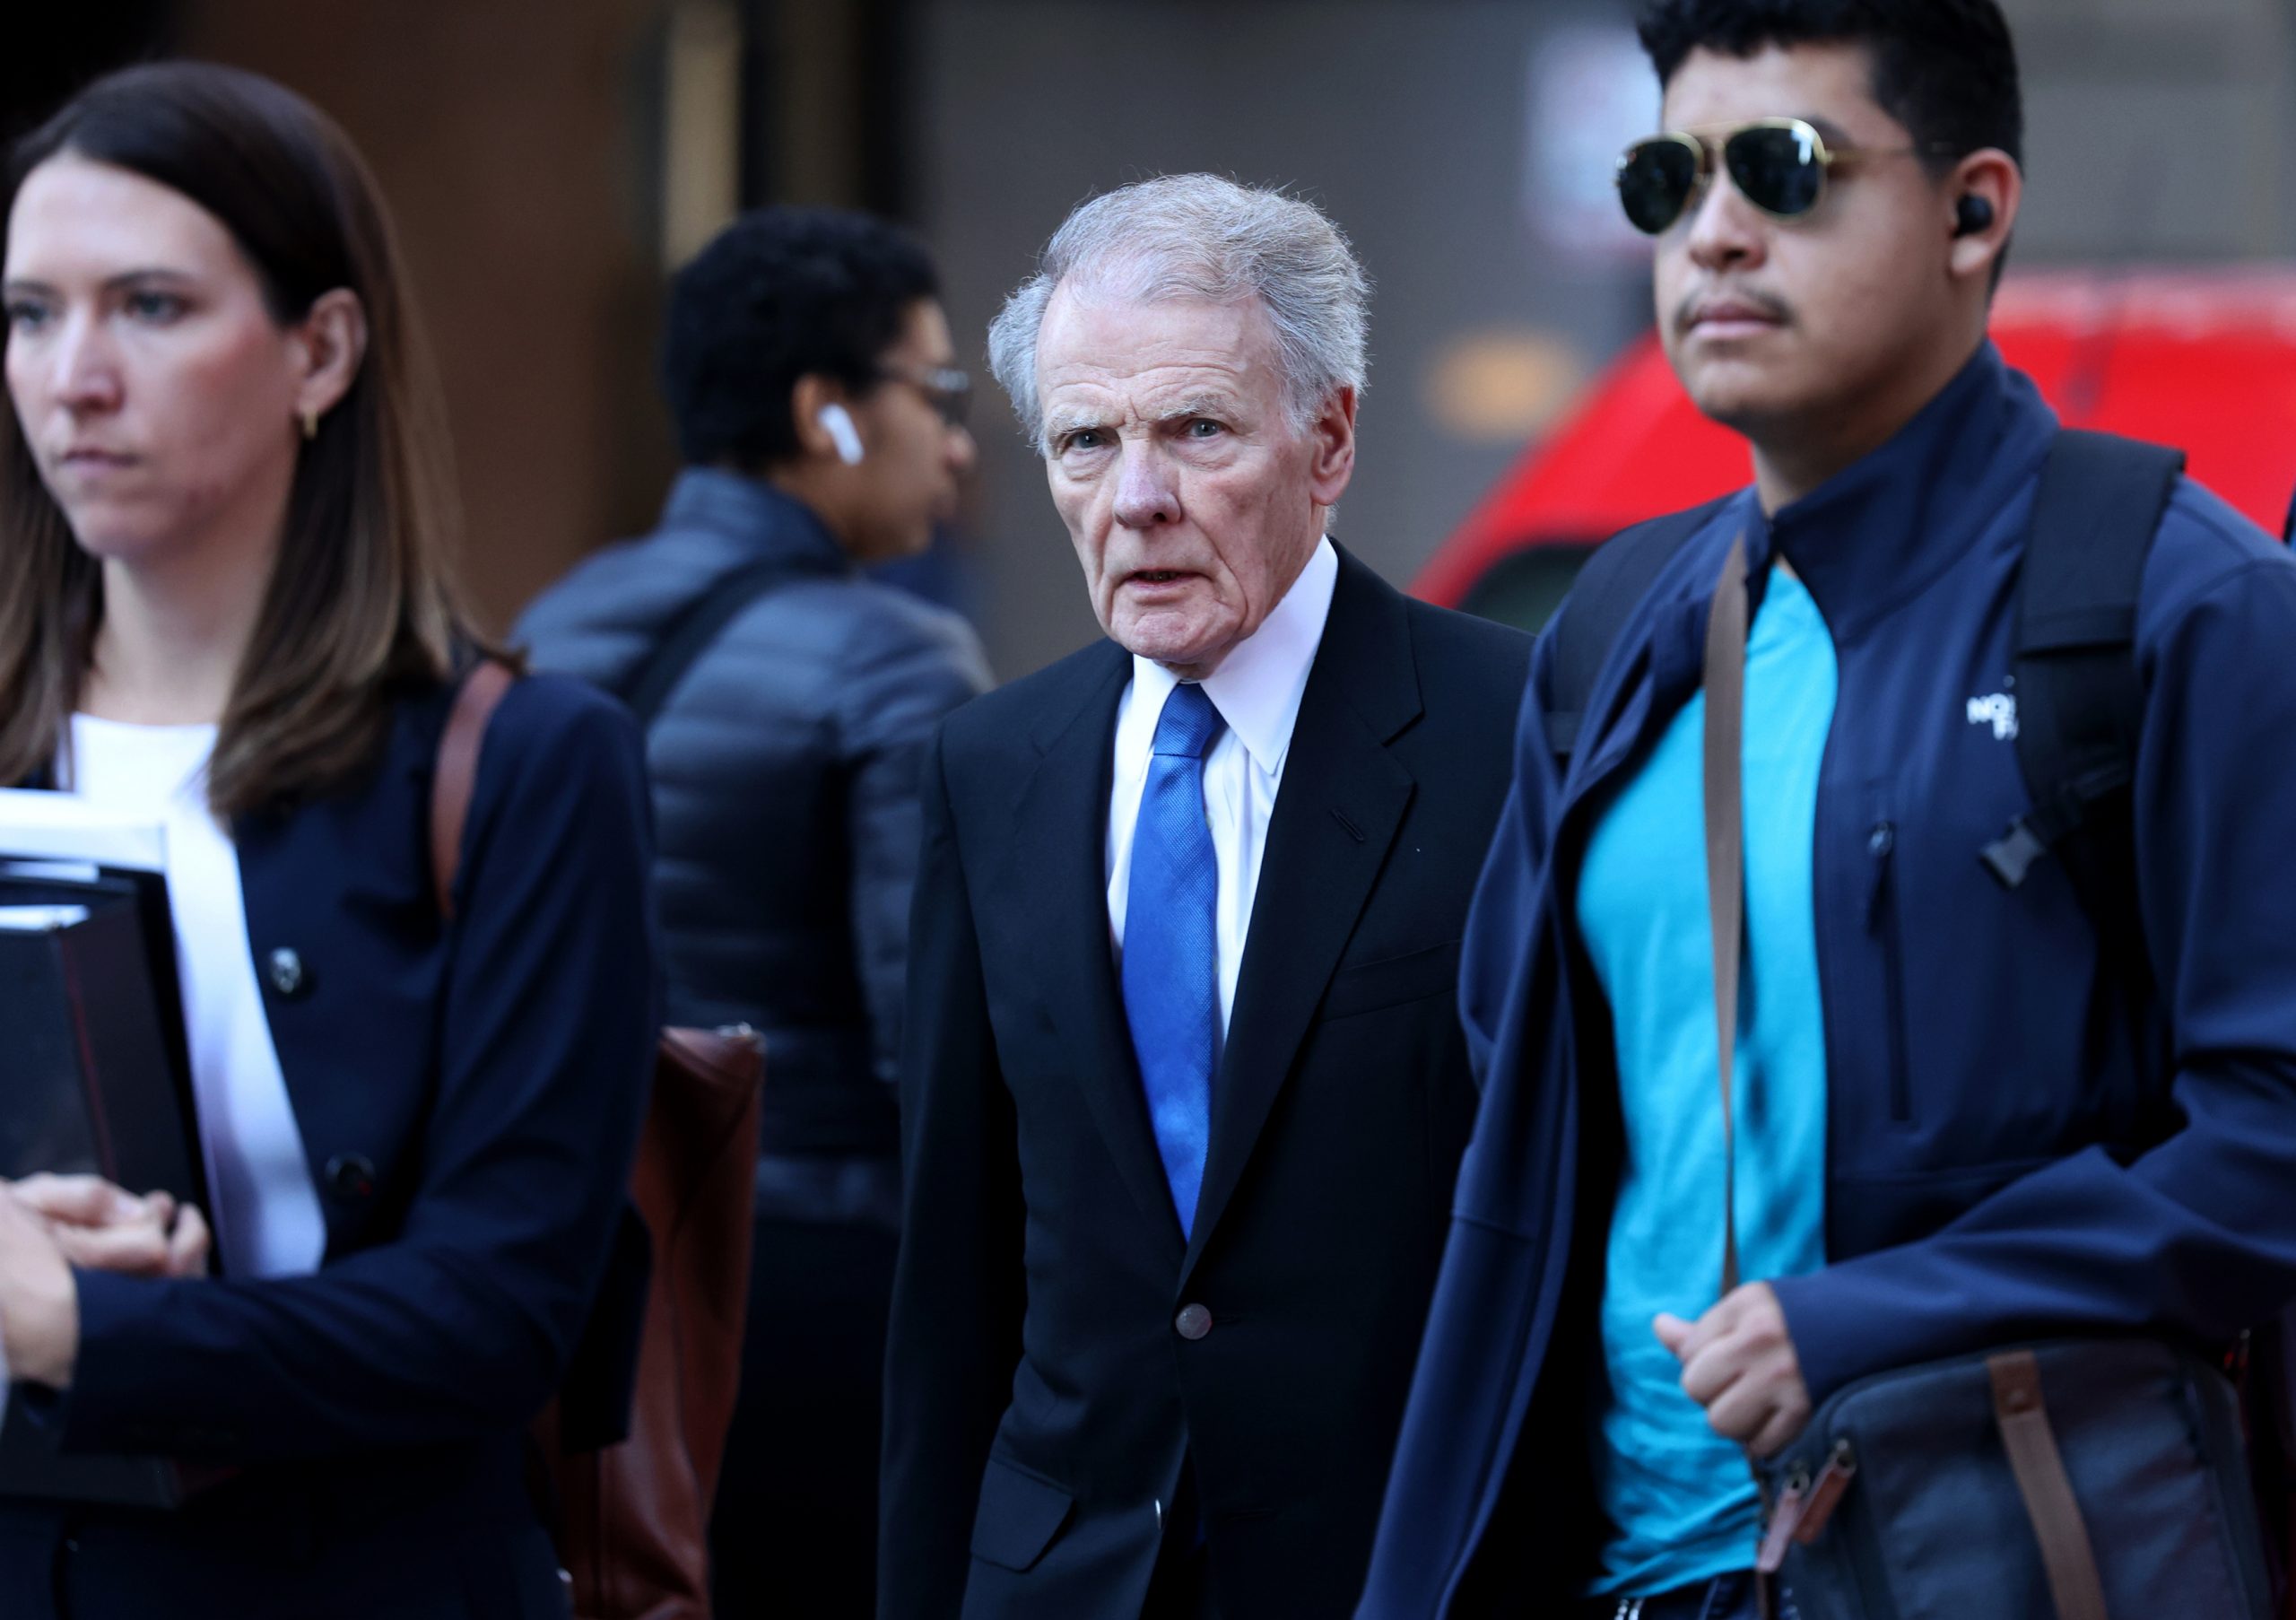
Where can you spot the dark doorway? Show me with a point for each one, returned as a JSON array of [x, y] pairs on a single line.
[[52, 52], [867, 50]]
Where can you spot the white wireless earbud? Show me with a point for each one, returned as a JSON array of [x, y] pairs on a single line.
[[837, 421]]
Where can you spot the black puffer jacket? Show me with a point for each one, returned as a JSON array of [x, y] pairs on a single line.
[[783, 768]]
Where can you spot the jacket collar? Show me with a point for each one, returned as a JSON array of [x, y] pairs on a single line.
[[769, 525], [1878, 532], [1343, 799], [1866, 541]]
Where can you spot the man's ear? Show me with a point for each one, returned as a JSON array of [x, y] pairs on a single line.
[[1331, 438], [326, 347], [807, 395], [1980, 201]]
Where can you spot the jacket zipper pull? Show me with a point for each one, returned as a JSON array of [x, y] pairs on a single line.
[[1880, 846], [1826, 1494], [1805, 1506], [1784, 1516]]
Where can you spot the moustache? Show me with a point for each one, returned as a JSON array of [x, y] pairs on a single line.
[[1769, 304]]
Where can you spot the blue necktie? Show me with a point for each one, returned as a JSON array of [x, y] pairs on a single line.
[[1172, 963]]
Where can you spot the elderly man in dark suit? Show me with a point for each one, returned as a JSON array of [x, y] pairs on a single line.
[[1184, 1091]]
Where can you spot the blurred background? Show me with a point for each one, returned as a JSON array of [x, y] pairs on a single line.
[[551, 160]]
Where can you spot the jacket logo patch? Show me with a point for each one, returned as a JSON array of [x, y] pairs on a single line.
[[1999, 712]]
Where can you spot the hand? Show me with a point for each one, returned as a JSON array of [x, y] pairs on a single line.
[[1738, 1363], [107, 1228], [39, 1304]]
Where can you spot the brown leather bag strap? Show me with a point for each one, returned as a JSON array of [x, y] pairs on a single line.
[[457, 772], [1726, 703], [1725, 883], [2066, 1554]]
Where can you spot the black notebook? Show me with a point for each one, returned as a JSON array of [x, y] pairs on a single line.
[[94, 1077]]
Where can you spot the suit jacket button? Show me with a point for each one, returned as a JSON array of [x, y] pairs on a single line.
[[351, 1176], [284, 968], [1193, 1323]]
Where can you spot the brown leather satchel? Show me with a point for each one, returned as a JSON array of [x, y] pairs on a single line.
[[632, 1518]]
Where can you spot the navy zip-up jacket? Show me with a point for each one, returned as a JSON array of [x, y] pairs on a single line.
[[468, 1095], [2012, 1147]]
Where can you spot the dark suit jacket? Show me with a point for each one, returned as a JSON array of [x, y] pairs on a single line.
[[468, 1099], [1040, 1392]]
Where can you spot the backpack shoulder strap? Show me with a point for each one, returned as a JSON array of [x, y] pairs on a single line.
[[1603, 597], [2080, 702], [692, 633], [456, 773]]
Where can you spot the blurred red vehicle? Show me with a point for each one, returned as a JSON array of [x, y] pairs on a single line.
[[2204, 360]]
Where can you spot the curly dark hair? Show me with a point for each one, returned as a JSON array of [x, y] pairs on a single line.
[[778, 294], [1945, 69]]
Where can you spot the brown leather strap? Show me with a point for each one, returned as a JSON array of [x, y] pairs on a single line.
[[457, 772], [2033, 1457], [1726, 703], [1726, 894]]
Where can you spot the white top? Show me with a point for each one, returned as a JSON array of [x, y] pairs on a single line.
[[265, 1211], [1256, 689]]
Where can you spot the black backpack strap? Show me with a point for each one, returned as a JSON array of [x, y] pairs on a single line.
[[1603, 597], [692, 633], [2080, 700]]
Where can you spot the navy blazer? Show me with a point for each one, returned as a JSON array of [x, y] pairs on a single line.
[[469, 1098], [1057, 1345], [2016, 1146]]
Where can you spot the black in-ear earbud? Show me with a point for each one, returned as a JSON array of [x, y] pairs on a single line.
[[1972, 215]]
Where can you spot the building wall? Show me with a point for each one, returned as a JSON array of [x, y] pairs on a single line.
[[2159, 129], [510, 138]]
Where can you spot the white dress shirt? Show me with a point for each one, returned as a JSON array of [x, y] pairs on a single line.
[[1256, 689], [265, 1213]]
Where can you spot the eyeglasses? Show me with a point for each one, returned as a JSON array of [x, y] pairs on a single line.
[[946, 389], [1779, 165]]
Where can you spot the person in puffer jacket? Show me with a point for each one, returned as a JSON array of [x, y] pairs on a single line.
[[810, 372]]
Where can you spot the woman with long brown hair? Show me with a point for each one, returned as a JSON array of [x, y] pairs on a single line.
[[225, 604]]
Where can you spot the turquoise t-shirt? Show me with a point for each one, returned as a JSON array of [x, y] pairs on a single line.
[[1681, 1497]]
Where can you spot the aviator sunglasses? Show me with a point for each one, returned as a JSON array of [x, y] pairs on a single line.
[[1777, 164]]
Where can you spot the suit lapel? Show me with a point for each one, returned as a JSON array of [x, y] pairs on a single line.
[[1342, 799], [1056, 859]]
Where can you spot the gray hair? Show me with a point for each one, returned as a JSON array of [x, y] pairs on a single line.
[[1200, 237]]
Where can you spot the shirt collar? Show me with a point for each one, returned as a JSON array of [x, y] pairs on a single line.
[[1259, 685]]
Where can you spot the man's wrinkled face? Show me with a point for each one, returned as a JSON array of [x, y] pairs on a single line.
[[1192, 501], [1771, 321]]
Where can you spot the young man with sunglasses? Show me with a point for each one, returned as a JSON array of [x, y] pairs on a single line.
[[1964, 1114]]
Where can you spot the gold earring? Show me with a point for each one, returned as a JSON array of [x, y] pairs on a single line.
[[311, 424]]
